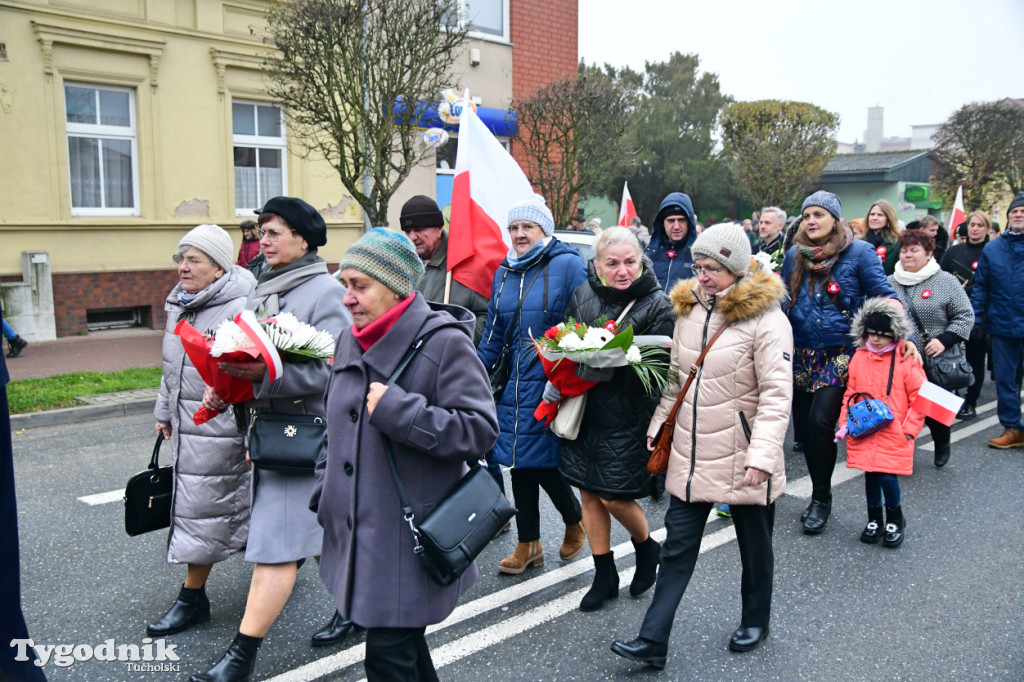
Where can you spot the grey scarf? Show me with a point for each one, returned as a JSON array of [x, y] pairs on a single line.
[[274, 282]]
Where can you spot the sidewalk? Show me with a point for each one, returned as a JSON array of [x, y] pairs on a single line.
[[98, 352]]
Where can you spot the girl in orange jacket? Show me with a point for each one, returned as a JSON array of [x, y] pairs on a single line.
[[878, 328]]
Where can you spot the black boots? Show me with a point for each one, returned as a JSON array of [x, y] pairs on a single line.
[[334, 632], [873, 531], [941, 455], [606, 583], [237, 663], [192, 607], [642, 651], [894, 525], [747, 638], [16, 345], [648, 553], [817, 515]]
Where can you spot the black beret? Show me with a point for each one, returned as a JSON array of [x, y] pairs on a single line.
[[300, 216], [421, 211]]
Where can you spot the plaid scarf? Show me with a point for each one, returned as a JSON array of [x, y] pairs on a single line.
[[819, 259]]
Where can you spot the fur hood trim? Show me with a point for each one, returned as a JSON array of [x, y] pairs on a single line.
[[886, 306], [755, 294]]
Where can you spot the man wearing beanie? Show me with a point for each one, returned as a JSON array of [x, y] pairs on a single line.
[[999, 309], [672, 235], [423, 222]]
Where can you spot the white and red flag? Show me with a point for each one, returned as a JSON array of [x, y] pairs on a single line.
[[938, 403], [958, 211], [627, 211], [488, 182]]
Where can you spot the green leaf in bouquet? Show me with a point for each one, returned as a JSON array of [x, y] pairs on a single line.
[[623, 340]]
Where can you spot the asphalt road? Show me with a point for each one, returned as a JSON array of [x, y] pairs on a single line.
[[947, 605]]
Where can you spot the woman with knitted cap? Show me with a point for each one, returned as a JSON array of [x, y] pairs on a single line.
[[531, 291], [828, 275], [437, 414], [210, 501], [728, 435], [283, 532]]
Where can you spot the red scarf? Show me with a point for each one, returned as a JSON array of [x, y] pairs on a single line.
[[372, 333]]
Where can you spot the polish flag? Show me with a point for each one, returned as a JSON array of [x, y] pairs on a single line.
[[488, 182], [958, 211], [627, 211], [247, 321], [938, 403]]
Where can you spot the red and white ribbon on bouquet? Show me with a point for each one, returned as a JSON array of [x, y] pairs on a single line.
[[247, 321]]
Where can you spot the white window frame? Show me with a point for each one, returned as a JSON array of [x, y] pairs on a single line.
[[104, 132], [505, 37], [259, 142]]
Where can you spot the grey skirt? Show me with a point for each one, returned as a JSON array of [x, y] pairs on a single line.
[[282, 528]]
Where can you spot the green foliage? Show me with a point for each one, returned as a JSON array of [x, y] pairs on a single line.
[[981, 146], [777, 149], [50, 393]]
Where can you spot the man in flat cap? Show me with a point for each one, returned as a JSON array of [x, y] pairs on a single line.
[[423, 222]]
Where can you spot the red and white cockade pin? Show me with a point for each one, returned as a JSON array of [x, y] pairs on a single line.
[[974, 265], [670, 254], [926, 294], [881, 250], [833, 288]]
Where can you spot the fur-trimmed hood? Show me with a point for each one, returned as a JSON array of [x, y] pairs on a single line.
[[753, 295], [885, 306]]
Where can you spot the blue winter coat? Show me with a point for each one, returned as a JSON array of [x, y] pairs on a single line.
[[998, 283], [522, 440], [671, 270], [820, 322]]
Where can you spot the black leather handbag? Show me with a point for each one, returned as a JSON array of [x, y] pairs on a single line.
[[147, 496], [950, 369], [286, 442], [501, 370], [455, 532]]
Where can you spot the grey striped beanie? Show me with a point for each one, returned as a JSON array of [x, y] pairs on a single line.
[[387, 256]]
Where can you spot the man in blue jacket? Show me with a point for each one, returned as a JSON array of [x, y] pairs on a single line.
[[999, 307], [672, 234]]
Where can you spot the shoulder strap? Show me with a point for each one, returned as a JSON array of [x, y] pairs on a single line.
[[892, 367], [625, 310], [519, 306], [917, 320], [693, 373]]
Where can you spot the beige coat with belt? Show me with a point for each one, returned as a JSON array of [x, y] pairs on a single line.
[[736, 411]]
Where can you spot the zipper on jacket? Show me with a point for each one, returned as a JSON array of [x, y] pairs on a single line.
[[696, 391], [746, 426], [768, 498], [515, 420]]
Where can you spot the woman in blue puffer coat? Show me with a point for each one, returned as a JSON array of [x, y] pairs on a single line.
[[542, 272], [828, 274]]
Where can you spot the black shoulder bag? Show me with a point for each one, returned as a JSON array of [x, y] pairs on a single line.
[[501, 370], [147, 497], [950, 369], [460, 526]]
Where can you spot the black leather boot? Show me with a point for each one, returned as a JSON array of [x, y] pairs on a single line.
[[941, 455], [606, 583], [648, 553], [642, 651], [16, 345], [237, 663], [817, 515], [334, 632], [894, 525], [872, 532], [192, 607]]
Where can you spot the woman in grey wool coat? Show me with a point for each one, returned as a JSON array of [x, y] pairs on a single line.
[[210, 499], [283, 532], [438, 414]]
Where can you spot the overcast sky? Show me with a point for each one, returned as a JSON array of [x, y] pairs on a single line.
[[919, 59]]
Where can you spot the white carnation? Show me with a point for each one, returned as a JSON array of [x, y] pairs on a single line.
[[570, 343], [765, 260], [633, 355], [228, 338], [596, 338]]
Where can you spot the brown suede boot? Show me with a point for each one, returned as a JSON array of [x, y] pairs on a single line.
[[1011, 438], [573, 542], [527, 554]]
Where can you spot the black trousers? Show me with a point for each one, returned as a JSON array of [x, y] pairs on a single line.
[[975, 350], [398, 655], [940, 432], [526, 485], [684, 523], [818, 412]]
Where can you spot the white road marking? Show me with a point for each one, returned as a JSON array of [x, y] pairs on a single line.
[[103, 498]]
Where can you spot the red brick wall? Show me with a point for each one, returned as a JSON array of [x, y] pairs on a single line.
[[74, 293]]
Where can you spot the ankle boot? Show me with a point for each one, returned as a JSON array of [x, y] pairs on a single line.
[[573, 542], [237, 663], [894, 525], [16, 345], [334, 632], [192, 607], [872, 532], [527, 554], [648, 553], [941, 455], [606, 583], [817, 515]]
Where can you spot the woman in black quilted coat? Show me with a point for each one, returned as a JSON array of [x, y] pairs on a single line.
[[608, 460]]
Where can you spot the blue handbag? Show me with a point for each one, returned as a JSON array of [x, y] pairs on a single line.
[[866, 414]]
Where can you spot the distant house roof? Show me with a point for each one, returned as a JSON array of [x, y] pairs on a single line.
[[907, 166], [1019, 101]]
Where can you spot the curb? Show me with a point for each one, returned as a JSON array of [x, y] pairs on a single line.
[[75, 415]]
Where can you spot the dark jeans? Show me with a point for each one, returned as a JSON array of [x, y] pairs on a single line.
[[877, 483], [684, 523], [398, 655], [975, 350], [526, 485], [1007, 352], [818, 413]]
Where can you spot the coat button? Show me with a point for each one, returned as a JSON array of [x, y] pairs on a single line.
[[353, 415], [348, 468], [348, 522]]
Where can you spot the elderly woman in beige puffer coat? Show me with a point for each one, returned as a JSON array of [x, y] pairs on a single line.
[[728, 436]]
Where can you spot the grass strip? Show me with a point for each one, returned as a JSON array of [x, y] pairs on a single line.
[[50, 393]]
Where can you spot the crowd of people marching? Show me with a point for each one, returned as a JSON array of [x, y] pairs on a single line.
[[769, 318]]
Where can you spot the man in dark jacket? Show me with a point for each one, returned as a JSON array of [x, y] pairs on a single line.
[[998, 306], [423, 222], [769, 227], [672, 234]]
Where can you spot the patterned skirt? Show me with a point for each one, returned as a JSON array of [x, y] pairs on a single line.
[[815, 368]]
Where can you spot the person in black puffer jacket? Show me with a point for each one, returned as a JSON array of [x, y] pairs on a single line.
[[608, 461]]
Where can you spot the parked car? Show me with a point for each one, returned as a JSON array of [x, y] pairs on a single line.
[[583, 241]]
